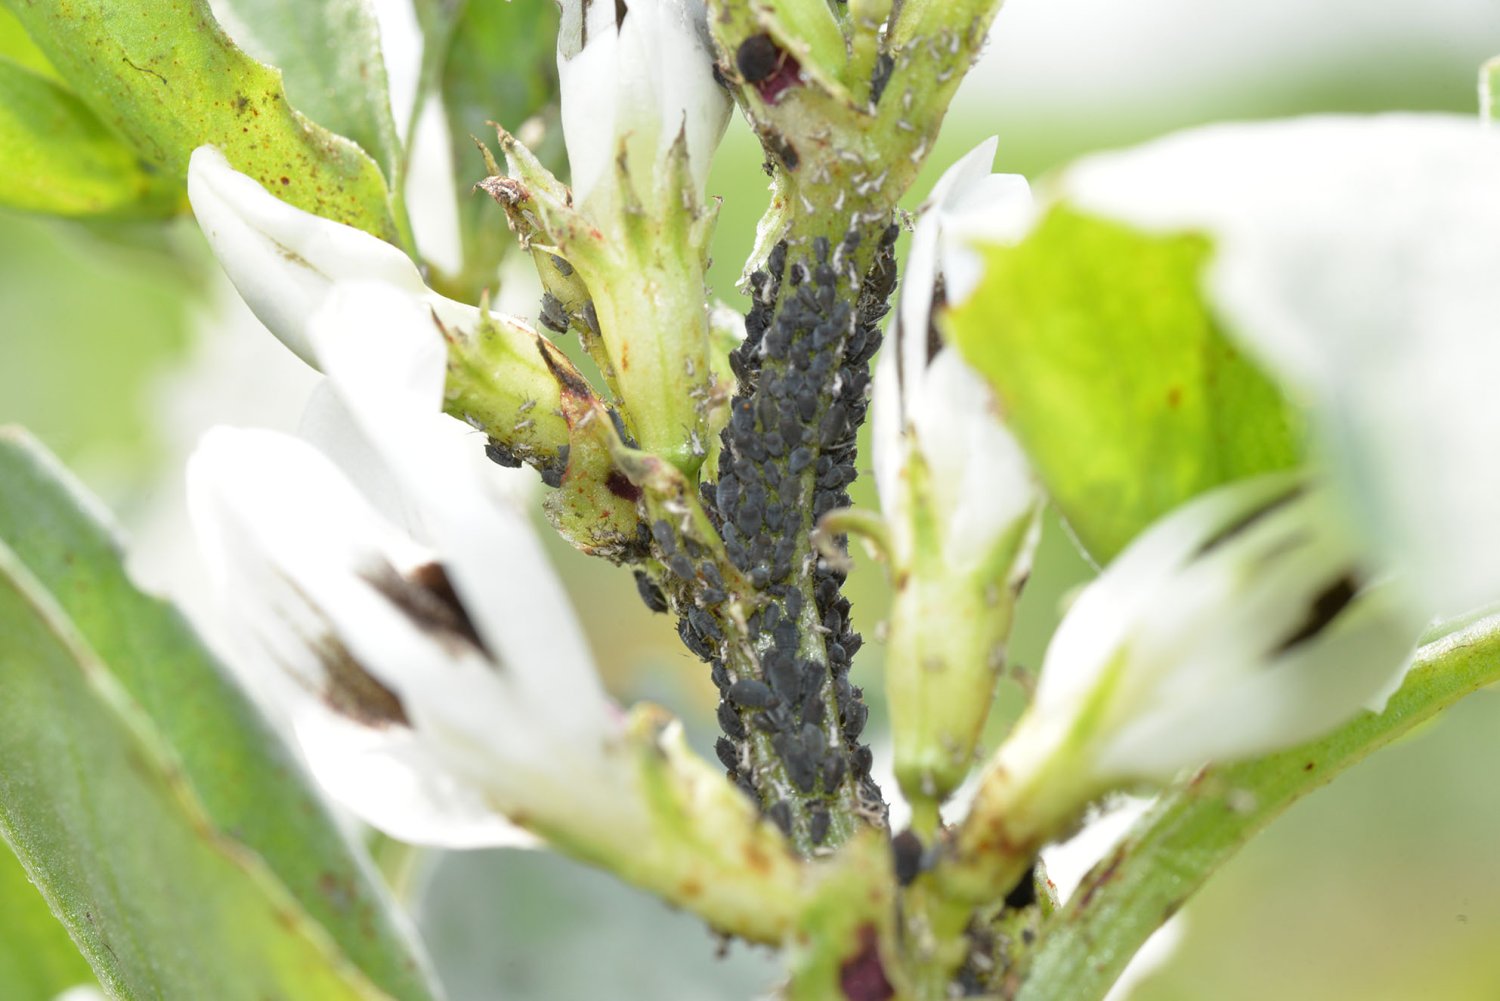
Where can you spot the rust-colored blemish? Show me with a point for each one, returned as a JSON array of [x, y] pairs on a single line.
[[757, 859]]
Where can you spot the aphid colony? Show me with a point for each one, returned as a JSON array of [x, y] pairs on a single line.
[[788, 457]]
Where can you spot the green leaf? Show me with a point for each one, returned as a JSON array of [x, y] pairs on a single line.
[[164, 76], [500, 66], [1192, 830], [37, 958], [57, 157], [161, 903], [244, 778], [18, 47], [1115, 375], [329, 53]]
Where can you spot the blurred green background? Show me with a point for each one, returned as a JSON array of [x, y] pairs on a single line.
[[116, 348]]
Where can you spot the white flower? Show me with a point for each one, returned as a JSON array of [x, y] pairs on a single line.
[[637, 72], [288, 264], [437, 680], [439, 684], [1239, 624], [1357, 258], [284, 262], [928, 402]]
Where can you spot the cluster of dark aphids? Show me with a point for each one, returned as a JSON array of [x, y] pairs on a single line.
[[788, 458]]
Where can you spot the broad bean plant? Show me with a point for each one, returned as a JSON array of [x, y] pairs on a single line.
[[1249, 366]]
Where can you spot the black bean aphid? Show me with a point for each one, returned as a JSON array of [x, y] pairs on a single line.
[[757, 58], [728, 755], [552, 473], [906, 854], [751, 694], [501, 455], [730, 722], [780, 813], [650, 593], [854, 719], [681, 566], [553, 316], [694, 640], [817, 825], [704, 624]]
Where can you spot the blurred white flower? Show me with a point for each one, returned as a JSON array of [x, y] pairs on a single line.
[[1240, 624], [438, 680], [637, 73], [1357, 259]]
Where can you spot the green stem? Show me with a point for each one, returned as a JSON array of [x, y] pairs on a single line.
[[1194, 829]]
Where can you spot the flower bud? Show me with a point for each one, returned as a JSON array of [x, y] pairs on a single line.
[[636, 77], [959, 499]]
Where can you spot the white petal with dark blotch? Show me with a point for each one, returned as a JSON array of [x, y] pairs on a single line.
[[290, 543], [1240, 624]]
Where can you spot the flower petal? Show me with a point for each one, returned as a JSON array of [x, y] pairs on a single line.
[[641, 72], [383, 357], [378, 648], [281, 259], [926, 396], [1237, 625], [393, 781]]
